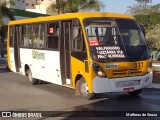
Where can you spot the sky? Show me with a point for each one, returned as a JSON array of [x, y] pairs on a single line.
[[120, 6]]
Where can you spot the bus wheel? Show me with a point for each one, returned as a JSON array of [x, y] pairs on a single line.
[[83, 89], [135, 93], [32, 80]]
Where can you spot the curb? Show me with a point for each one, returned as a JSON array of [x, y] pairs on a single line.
[[154, 85]]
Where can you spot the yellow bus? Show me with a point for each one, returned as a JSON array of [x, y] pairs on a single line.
[[90, 52]]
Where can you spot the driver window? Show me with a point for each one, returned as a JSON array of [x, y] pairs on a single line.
[[125, 36], [77, 38]]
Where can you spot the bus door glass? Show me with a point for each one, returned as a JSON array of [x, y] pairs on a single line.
[[17, 48], [15, 51], [65, 52]]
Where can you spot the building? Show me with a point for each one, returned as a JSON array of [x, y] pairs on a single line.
[[31, 4], [38, 6], [20, 9], [19, 4]]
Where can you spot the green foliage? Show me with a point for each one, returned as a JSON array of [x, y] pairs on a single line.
[[141, 7], [155, 8], [70, 6], [143, 3], [153, 37], [4, 12], [144, 19], [149, 17], [151, 23], [149, 20]]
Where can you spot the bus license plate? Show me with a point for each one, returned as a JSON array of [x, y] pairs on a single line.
[[128, 89]]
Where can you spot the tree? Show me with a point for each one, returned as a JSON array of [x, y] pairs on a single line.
[[141, 7], [143, 3], [153, 38], [149, 21], [155, 8], [4, 12], [70, 6]]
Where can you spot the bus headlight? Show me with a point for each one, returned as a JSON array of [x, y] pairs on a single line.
[[149, 69], [98, 70]]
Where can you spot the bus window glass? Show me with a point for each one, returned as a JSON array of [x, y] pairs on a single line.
[[131, 33], [38, 35], [35, 34], [26, 36], [66, 35], [53, 35], [101, 34], [42, 32], [115, 39], [78, 41]]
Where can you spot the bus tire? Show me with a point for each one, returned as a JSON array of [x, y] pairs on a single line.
[[83, 89], [32, 80], [7, 68], [135, 93]]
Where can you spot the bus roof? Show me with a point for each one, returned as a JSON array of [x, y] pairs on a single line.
[[80, 15]]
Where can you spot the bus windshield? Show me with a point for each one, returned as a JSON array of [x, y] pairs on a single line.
[[112, 39]]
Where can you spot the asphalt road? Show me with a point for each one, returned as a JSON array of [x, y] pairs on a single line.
[[16, 94]]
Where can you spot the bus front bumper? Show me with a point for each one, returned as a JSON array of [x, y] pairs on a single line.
[[102, 85]]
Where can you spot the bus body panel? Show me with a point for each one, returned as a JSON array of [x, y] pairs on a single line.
[[125, 69], [80, 15], [11, 60], [44, 64], [102, 85], [78, 68], [35, 65], [53, 74]]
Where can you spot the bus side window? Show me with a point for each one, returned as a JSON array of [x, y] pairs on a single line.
[[35, 33], [42, 31], [52, 35], [38, 35], [77, 39], [26, 36]]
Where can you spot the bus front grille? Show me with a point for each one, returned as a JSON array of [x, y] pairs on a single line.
[[126, 72]]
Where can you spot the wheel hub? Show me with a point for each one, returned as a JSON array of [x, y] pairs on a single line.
[[84, 88]]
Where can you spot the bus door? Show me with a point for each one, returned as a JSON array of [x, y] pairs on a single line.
[[15, 52], [65, 52], [16, 48]]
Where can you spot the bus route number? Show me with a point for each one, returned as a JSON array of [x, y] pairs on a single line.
[[138, 65]]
